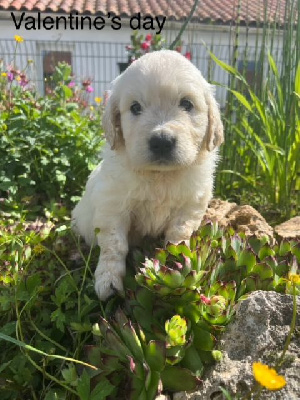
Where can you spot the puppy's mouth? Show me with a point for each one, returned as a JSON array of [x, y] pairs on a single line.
[[161, 165]]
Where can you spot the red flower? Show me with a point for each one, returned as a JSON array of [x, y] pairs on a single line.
[[145, 46], [148, 37], [205, 299], [188, 55]]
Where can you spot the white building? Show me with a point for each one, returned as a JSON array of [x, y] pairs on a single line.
[[92, 35]]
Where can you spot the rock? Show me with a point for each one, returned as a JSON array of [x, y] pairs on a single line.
[[258, 333], [246, 219], [217, 211], [289, 229], [242, 218]]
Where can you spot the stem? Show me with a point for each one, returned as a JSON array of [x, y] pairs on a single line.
[[292, 329], [19, 334], [184, 25]]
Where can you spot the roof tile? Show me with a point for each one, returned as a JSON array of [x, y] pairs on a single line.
[[225, 11]]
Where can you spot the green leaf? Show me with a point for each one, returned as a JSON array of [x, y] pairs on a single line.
[[116, 344], [192, 361], [263, 270], [225, 66], [152, 386], [83, 387], [273, 65], [69, 374], [102, 390], [203, 340], [242, 99], [178, 379], [265, 251], [132, 341], [145, 298], [155, 354]]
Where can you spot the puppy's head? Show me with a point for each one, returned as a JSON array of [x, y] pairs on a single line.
[[162, 112]]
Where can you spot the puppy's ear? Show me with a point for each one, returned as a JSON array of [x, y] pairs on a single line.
[[214, 134], [112, 123]]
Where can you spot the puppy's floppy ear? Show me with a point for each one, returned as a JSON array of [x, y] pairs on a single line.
[[112, 123], [214, 134]]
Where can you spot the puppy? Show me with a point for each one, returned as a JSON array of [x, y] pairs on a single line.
[[163, 128]]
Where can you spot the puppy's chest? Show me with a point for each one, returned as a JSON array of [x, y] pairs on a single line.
[[153, 208]]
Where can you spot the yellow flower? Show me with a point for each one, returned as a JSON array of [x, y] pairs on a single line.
[[98, 100], [38, 249], [19, 39], [268, 377], [4, 74], [18, 78], [294, 278], [91, 108]]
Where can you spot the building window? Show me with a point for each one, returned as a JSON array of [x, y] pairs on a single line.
[[50, 61]]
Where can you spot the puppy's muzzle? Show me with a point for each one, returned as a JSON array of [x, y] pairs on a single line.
[[162, 147]]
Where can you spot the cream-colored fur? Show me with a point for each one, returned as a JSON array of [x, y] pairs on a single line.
[[144, 188]]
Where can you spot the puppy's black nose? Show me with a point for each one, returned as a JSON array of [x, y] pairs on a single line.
[[162, 146]]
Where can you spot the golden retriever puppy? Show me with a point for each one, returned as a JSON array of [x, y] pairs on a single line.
[[163, 128]]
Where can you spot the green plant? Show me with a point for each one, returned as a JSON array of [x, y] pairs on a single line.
[[142, 44], [179, 302], [269, 130], [162, 336], [48, 145], [259, 162]]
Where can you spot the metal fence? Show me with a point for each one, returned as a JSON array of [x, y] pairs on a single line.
[[102, 61]]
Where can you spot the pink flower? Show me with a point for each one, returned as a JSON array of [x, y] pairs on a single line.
[[205, 299], [148, 37], [89, 89], [131, 364], [23, 82], [188, 55], [71, 84], [129, 48], [10, 76], [145, 46]]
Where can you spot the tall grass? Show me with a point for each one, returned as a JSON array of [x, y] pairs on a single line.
[[260, 160]]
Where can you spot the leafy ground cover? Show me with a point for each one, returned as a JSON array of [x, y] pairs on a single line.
[[161, 336]]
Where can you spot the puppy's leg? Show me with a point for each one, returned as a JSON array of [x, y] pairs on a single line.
[[111, 267], [185, 222]]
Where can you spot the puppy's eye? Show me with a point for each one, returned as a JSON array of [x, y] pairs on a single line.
[[186, 104], [136, 108]]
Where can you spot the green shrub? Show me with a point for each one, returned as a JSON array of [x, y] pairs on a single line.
[[48, 145]]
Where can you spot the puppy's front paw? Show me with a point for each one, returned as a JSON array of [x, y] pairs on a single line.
[[108, 284]]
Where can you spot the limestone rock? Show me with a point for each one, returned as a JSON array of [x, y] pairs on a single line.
[[242, 218], [289, 229], [217, 211], [258, 333]]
